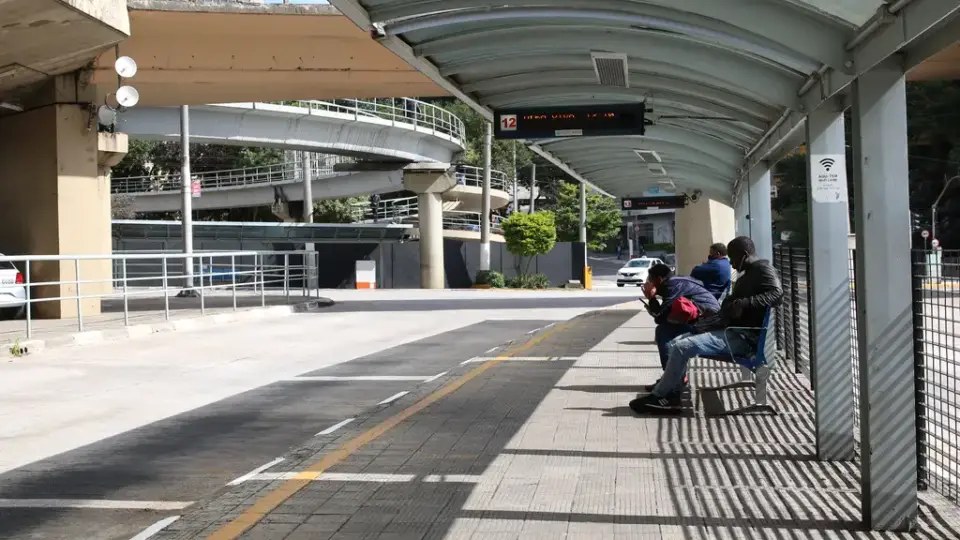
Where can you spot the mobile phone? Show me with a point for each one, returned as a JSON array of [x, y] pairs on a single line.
[[644, 302]]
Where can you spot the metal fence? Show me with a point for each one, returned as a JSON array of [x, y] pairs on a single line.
[[936, 312], [74, 286]]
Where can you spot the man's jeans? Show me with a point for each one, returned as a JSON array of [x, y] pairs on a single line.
[[664, 334], [687, 346]]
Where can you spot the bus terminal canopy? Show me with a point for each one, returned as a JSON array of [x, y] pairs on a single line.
[[727, 82]]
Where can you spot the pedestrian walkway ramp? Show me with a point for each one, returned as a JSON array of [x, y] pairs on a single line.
[[538, 442]]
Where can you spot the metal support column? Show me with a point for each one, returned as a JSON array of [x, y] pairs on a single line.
[[884, 317], [533, 186], [516, 199], [485, 203], [829, 285], [583, 223], [186, 209], [306, 169], [761, 214]]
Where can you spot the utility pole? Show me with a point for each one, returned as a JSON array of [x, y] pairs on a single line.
[[533, 186], [516, 201], [186, 207]]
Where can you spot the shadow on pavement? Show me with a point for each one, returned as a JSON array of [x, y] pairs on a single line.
[[476, 303]]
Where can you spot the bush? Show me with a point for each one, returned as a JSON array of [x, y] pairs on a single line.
[[665, 247], [529, 235], [491, 278], [529, 281]]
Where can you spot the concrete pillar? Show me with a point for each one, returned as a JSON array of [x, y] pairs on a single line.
[[186, 204], [829, 284], [485, 201], [310, 262], [699, 225], [741, 212], [884, 300], [429, 181], [761, 214], [55, 194]]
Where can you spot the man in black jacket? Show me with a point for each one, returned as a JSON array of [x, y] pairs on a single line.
[[756, 290]]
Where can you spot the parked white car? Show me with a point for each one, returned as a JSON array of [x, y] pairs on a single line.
[[635, 271], [13, 292]]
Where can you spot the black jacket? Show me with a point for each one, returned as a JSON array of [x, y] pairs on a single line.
[[679, 286], [756, 290]]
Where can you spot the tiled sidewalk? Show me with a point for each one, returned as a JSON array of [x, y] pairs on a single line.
[[548, 449]]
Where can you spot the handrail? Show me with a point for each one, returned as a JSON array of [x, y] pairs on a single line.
[[473, 176], [408, 111], [277, 173], [158, 274]]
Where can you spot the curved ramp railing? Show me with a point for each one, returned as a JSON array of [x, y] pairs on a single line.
[[397, 110], [279, 173], [406, 210]]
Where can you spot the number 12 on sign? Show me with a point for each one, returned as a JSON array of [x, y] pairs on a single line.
[[508, 122]]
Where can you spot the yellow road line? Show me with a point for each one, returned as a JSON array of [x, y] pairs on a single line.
[[282, 493]]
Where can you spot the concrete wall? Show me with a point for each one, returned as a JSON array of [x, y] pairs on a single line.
[[699, 225], [54, 201]]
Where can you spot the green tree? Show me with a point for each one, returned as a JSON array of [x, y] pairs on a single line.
[[335, 211], [529, 235], [603, 217]]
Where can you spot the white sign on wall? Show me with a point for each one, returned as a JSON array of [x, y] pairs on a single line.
[[829, 178]]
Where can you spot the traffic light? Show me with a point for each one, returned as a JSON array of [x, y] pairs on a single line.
[[914, 221]]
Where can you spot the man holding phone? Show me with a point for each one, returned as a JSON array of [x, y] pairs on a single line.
[[684, 300]]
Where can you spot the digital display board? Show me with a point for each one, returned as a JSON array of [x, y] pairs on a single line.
[[640, 203], [581, 121]]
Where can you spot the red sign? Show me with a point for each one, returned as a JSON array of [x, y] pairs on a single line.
[[935, 243], [925, 234], [195, 189]]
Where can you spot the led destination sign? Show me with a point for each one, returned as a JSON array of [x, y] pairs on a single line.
[[640, 203], [553, 122]]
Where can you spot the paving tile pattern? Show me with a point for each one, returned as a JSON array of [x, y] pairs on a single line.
[[560, 456]]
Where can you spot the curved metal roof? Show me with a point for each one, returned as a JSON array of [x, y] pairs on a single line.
[[726, 79]]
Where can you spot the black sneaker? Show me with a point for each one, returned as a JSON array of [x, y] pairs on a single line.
[[646, 403]]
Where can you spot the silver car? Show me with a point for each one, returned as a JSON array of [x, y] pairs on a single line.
[[13, 291]]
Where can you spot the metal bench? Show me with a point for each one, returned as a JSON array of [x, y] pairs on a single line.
[[754, 370]]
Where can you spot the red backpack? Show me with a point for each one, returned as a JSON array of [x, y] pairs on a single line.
[[683, 311]]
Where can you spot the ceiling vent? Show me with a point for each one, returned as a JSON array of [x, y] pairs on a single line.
[[611, 69], [657, 169], [648, 156]]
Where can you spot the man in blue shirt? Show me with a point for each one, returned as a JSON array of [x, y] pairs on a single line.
[[715, 273]]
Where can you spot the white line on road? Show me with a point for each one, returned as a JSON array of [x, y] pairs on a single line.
[[367, 477], [482, 359], [255, 472], [94, 504], [335, 427], [394, 397], [491, 349], [155, 528], [402, 378], [435, 377]]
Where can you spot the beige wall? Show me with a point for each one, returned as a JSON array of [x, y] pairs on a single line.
[[55, 201], [698, 225]]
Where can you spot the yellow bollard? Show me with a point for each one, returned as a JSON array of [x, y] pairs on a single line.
[[587, 278]]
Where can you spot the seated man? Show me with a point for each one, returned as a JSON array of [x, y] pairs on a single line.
[[715, 273], [756, 290], [661, 282]]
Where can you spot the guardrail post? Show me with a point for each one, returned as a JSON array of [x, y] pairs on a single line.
[[76, 278], [29, 303], [166, 294], [203, 301], [919, 365], [286, 276], [233, 279], [258, 258], [126, 305]]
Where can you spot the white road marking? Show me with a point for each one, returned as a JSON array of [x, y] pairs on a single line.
[[335, 427], [98, 504], [155, 528], [394, 397], [491, 349], [367, 477], [435, 377], [402, 378], [254, 472]]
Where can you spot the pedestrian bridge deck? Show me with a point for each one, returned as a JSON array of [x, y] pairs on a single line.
[[538, 442]]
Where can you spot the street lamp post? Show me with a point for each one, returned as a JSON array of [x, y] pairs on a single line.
[[933, 208]]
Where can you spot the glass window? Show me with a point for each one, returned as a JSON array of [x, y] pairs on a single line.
[[639, 263]]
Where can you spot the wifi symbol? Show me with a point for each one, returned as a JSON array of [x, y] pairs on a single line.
[[827, 163]]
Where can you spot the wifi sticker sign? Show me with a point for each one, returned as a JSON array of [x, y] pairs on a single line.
[[829, 177]]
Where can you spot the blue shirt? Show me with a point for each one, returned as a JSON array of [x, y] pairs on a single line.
[[714, 274]]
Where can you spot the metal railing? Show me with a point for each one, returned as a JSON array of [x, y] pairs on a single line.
[[936, 352], [459, 220], [155, 277], [468, 175], [279, 173], [418, 114], [406, 210]]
